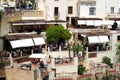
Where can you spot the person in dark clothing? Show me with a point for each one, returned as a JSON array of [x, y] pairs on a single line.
[[114, 26], [42, 64]]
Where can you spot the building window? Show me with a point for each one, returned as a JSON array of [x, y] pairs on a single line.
[[112, 10], [70, 10], [118, 38], [92, 11], [67, 19], [56, 11]]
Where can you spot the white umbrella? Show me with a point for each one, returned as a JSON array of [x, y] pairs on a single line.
[[37, 55]]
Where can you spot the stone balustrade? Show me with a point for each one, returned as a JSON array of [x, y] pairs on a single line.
[[23, 15]]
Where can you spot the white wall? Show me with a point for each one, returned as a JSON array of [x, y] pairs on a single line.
[[102, 54], [74, 4], [112, 3], [40, 5], [4, 27], [50, 4], [102, 8], [49, 10]]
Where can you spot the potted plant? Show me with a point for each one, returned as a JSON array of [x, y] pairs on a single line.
[[81, 69], [107, 60], [76, 48]]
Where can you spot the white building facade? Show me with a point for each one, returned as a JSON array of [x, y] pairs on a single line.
[[97, 8], [92, 16], [55, 8]]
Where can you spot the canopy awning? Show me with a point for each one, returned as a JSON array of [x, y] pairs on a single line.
[[107, 22], [11, 5], [27, 42], [98, 23], [98, 39], [103, 39], [118, 22], [39, 41], [90, 22], [93, 39], [16, 43], [95, 22], [17, 24], [40, 55], [21, 43], [37, 22], [81, 22]]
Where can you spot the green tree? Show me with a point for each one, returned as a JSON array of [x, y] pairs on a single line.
[[76, 48], [32, 1], [57, 34]]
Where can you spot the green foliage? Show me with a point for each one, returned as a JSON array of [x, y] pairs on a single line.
[[77, 47], [118, 49], [107, 60], [81, 69], [57, 34], [23, 5], [32, 1]]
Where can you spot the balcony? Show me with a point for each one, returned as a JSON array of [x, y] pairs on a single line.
[[114, 15], [32, 13], [94, 31], [24, 15]]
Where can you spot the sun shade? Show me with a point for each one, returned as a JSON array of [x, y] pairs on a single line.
[[39, 41], [37, 55], [16, 43], [27, 42], [103, 39], [93, 39]]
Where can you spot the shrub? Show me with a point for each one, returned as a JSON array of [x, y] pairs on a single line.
[[107, 60], [81, 69], [23, 5]]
